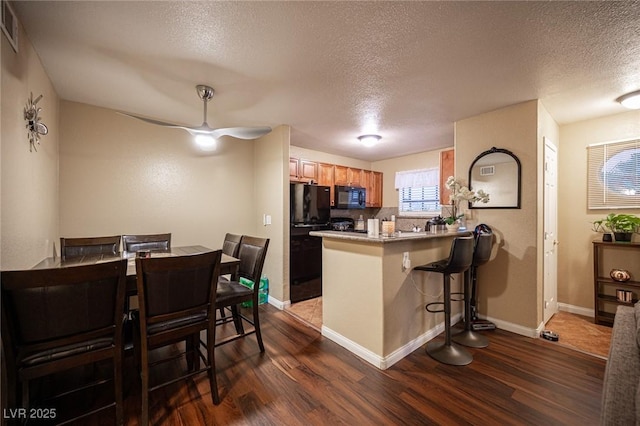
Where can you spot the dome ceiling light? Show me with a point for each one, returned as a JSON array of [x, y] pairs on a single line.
[[630, 100], [369, 140]]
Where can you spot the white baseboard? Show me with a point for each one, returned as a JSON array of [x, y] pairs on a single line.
[[385, 362], [535, 332], [578, 310], [278, 304], [514, 328]]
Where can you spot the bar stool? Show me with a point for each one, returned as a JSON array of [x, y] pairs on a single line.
[[481, 255], [459, 260]]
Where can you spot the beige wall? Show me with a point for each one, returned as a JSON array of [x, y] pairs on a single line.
[[323, 157], [271, 189], [575, 266], [29, 209], [119, 175], [508, 284], [423, 160]]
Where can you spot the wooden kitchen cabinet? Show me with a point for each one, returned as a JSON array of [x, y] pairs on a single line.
[[302, 170], [376, 189], [347, 176], [447, 164], [325, 178], [326, 174], [340, 175], [354, 176], [608, 256], [293, 169], [372, 181]]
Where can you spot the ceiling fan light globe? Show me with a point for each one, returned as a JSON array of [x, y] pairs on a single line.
[[206, 142]]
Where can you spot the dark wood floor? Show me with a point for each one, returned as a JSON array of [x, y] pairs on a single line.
[[305, 379]]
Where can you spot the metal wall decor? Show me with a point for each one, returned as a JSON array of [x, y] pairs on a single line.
[[34, 127]]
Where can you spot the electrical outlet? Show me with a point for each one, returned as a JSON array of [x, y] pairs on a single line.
[[406, 261]]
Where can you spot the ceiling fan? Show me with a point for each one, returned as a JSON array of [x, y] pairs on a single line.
[[206, 93]]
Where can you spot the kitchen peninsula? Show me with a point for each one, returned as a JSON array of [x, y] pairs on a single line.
[[373, 305]]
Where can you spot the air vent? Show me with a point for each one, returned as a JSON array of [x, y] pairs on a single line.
[[10, 25], [487, 170]]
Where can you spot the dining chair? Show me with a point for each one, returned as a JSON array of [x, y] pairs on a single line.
[[177, 299], [133, 243], [75, 247], [230, 247], [252, 253], [54, 320], [231, 244]]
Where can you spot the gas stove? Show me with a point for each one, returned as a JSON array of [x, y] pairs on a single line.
[[345, 224]]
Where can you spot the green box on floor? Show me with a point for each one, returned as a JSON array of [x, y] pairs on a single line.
[[263, 290]]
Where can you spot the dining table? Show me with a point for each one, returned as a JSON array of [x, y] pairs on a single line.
[[228, 264]]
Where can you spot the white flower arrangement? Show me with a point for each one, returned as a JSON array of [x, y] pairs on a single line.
[[459, 193]]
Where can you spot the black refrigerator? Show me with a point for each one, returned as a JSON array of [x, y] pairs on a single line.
[[310, 210]]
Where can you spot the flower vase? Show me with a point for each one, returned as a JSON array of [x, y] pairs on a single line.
[[453, 227]]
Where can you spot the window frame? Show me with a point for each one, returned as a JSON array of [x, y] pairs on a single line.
[[599, 195], [418, 178]]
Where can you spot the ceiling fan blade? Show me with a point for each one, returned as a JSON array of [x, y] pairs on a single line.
[[152, 121], [241, 132]]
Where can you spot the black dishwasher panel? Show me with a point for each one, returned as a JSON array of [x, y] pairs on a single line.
[[305, 266]]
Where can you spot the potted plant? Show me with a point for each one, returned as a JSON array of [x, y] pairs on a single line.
[[460, 193], [600, 226], [622, 225]]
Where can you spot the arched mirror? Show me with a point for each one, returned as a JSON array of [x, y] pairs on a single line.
[[497, 172]]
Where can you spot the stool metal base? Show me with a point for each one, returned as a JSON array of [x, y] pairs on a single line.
[[470, 339], [452, 354]]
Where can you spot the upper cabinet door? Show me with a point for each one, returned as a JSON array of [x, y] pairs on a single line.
[[325, 178], [347, 176], [447, 164], [302, 170], [293, 169], [376, 189], [372, 181], [340, 175], [354, 177], [366, 184], [308, 170]]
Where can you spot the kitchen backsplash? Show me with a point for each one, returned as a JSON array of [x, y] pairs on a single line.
[[402, 224]]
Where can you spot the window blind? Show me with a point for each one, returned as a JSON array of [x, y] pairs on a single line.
[[419, 199], [417, 178], [613, 180]]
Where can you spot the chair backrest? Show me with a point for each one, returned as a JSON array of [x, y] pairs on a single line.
[[482, 250], [134, 243], [176, 286], [252, 253], [75, 247], [461, 255], [231, 244], [48, 308]]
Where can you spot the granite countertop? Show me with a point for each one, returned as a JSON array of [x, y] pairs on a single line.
[[398, 236]]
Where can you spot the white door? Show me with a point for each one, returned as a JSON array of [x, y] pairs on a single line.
[[550, 266]]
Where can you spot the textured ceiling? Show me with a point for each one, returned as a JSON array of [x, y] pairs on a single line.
[[335, 70]]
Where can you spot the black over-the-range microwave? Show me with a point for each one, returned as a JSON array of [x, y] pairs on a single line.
[[350, 197]]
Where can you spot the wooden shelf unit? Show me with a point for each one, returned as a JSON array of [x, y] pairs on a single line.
[[604, 287]]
